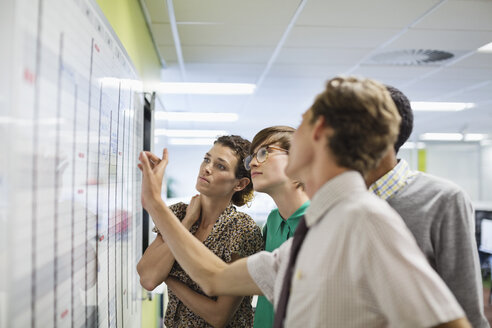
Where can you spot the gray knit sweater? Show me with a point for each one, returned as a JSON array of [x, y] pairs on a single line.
[[441, 218]]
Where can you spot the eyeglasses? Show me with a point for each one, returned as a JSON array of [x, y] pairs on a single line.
[[261, 155]]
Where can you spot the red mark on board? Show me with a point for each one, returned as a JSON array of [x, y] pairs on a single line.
[[81, 155], [29, 76], [96, 46], [80, 191], [119, 153], [64, 313], [101, 238]]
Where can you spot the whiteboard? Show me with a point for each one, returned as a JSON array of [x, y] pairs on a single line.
[[71, 127]]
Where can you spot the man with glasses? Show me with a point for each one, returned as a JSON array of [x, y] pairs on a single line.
[[352, 261]]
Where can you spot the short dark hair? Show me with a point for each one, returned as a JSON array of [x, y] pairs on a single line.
[[363, 118], [240, 146], [405, 109]]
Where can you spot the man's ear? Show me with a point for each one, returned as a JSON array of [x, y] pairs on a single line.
[[319, 128], [241, 184]]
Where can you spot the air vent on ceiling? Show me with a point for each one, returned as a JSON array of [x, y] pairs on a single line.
[[412, 57]]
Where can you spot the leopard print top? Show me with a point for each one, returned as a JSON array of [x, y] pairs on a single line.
[[233, 233]]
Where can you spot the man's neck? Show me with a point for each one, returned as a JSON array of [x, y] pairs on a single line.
[[321, 173], [387, 163]]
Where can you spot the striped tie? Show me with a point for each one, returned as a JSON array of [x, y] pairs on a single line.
[[285, 293]]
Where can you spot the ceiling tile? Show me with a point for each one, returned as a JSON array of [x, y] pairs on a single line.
[[475, 74], [385, 72], [442, 40], [230, 34], [322, 37], [331, 56], [227, 54], [303, 70], [252, 12], [363, 14], [162, 34], [460, 15], [157, 10], [477, 60]]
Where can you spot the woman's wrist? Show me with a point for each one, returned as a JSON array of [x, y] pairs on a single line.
[[155, 206], [188, 222]]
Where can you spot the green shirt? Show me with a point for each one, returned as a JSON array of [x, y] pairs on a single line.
[[275, 232]]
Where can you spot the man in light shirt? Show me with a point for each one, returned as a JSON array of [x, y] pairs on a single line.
[[439, 215], [359, 265]]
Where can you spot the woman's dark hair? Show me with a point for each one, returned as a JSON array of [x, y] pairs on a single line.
[[240, 147]]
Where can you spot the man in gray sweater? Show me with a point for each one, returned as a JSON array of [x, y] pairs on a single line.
[[439, 215]]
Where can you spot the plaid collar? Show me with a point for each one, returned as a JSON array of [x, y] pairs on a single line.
[[390, 183]]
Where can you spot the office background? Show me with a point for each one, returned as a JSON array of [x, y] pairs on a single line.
[[261, 63]]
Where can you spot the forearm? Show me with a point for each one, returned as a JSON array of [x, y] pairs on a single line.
[[217, 313], [458, 323], [155, 264], [213, 275]]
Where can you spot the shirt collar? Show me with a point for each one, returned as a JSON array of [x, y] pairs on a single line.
[[332, 192], [292, 220], [390, 183]]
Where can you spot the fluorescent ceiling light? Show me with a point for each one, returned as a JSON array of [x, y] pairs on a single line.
[[475, 137], [486, 48], [205, 88], [440, 106], [196, 117], [190, 133], [453, 137], [413, 145], [191, 141], [442, 136]]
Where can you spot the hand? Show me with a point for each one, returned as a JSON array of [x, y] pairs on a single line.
[[153, 169], [192, 212]]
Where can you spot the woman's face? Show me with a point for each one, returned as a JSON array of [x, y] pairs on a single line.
[[217, 172], [270, 174]]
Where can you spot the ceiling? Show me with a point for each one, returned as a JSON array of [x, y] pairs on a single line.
[[289, 48]]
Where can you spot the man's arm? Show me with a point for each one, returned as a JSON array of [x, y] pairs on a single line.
[[456, 255], [213, 275], [217, 313], [459, 323]]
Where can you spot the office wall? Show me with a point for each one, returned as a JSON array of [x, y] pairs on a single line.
[[128, 21], [486, 163], [458, 162], [71, 130]]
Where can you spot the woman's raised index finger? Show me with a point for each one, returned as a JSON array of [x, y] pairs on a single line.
[[145, 162], [152, 157]]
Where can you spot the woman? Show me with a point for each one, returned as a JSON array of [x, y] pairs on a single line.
[[222, 183], [267, 165]]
